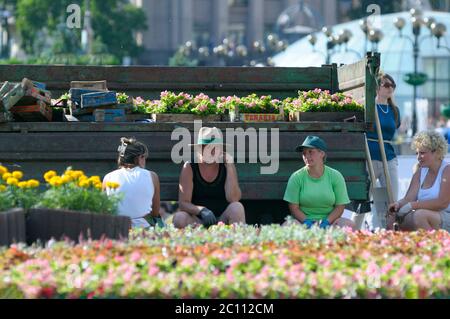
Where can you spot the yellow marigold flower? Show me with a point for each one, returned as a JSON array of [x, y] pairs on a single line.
[[112, 185], [98, 186], [56, 181], [77, 174], [84, 184], [6, 176], [3, 170], [17, 174], [32, 183], [49, 175], [95, 179], [2, 188], [22, 185], [83, 178], [66, 179], [12, 181]]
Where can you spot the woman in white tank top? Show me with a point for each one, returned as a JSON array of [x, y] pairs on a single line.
[[427, 202], [138, 186]]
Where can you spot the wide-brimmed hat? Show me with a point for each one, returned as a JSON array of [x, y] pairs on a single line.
[[209, 136], [312, 142]]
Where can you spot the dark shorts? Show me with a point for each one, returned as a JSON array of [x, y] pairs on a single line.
[[217, 207]]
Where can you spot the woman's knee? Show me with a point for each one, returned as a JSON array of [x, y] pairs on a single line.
[[180, 219], [237, 207], [236, 211], [419, 217], [345, 222]]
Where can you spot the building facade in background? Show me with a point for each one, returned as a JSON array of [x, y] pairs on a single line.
[[207, 22]]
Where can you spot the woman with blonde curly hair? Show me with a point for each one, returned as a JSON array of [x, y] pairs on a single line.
[[427, 202]]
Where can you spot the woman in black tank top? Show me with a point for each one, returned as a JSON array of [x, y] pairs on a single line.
[[209, 194], [204, 202]]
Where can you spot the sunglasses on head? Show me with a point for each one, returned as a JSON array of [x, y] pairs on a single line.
[[388, 85]]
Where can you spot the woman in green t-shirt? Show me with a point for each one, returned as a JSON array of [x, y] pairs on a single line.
[[316, 193]]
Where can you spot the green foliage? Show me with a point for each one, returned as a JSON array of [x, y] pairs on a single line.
[[11, 61], [115, 22], [179, 59], [24, 197], [184, 103], [42, 26], [322, 101], [250, 104], [72, 197], [142, 106], [6, 201], [73, 59], [122, 98]]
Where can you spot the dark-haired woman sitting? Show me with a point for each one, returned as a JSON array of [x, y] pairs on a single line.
[[140, 187]]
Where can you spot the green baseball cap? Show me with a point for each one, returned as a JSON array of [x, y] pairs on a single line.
[[312, 142]]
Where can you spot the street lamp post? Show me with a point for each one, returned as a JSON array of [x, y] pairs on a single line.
[[415, 79], [333, 41], [438, 30], [230, 53], [371, 34]]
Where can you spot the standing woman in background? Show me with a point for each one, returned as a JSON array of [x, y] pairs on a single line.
[[389, 116]]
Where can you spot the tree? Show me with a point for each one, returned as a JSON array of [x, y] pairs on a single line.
[[114, 23], [7, 8]]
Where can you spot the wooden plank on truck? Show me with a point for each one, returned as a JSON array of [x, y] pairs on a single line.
[[98, 99], [89, 85]]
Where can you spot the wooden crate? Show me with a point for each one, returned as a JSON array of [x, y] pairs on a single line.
[[326, 117], [98, 99], [6, 117], [90, 110], [89, 85], [138, 117], [185, 118], [5, 88], [33, 95], [260, 117], [109, 115], [237, 116], [76, 93], [44, 224], [32, 113], [12, 227], [12, 97]]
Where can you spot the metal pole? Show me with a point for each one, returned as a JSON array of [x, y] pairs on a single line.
[[414, 115], [416, 32]]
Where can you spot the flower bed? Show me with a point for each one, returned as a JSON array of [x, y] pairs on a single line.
[[320, 105], [235, 262], [70, 206], [184, 107], [251, 108]]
